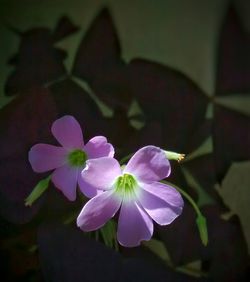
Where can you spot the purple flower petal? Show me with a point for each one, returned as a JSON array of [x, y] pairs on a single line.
[[65, 179], [98, 147], [45, 157], [134, 225], [149, 164], [98, 211], [87, 189], [67, 132], [162, 202], [101, 173]]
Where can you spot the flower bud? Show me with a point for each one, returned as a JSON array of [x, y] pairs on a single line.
[[174, 156]]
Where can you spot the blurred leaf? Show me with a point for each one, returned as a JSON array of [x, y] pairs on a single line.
[[38, 62], [228, 261], [19, 262], [23, 122], [71, 99], [159, 249], [64, 28], [203, 178], [205, 148], [223, 261], [181, 237], [66, 255], [92, 61], [202, 226], [203, 196], [127, 133], [67, 38], [114, 88], [200, 219], [233, 66], [237, 102], [236, 194], [141, 270], [108, 232], [71, 217], [192, 268], [170, 98], [210, 110], [231, 139], [230, 128], [106, 111], [38, 190]]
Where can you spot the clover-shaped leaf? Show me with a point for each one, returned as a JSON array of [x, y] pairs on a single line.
[[24, 121]]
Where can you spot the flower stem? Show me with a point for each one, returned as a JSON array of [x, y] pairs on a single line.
[[200, 219], [185, 194]]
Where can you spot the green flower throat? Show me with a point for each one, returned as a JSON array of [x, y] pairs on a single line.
[[126, 185], [77, 158]]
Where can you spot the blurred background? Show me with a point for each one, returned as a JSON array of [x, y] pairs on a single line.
[[175, 74]]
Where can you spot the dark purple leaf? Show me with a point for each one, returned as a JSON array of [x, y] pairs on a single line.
[[71, 99], [58, 207], [99, 50], [227, 247], [64, 28], [141, 270], [199, 136], [170, 98], [113, 87], [23, 122], [68, 255], [38, 62], [231, 138], [19, 263], [17, 180], [182, 237], [150, 134], [119, 131], [140, 264], [202, 169], [233, 65], [225, 256]]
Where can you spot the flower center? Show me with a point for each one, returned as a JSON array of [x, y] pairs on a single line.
[[77, 158], [126, 185]]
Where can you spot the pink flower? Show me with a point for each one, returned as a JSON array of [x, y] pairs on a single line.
[[135, 190], [70, 159]]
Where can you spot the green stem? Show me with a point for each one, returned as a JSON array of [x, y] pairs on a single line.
[[185, 194], [200, 220]]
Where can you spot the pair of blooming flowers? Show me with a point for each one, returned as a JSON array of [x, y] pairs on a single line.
[[134, 189]]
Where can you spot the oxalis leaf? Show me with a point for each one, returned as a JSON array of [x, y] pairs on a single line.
[[202, 226], [39, 189], [235, 193], [108, 232], [200, 219]]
